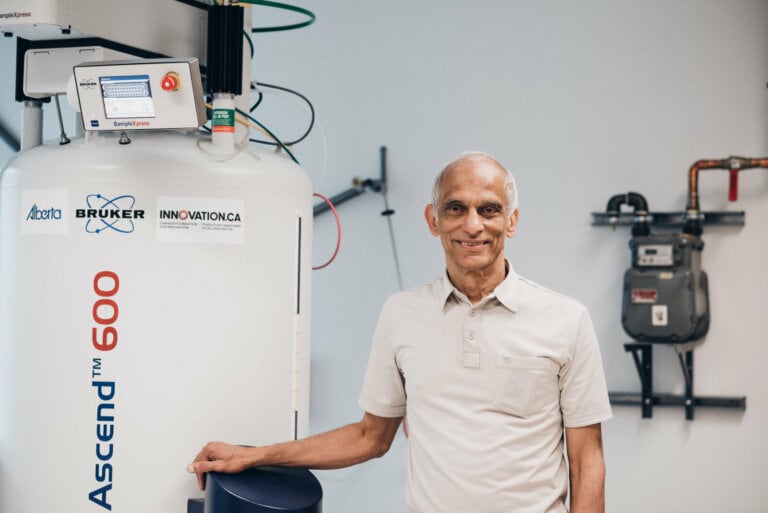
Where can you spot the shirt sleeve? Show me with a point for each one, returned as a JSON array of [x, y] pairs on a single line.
[[383, 392], [583, 392]]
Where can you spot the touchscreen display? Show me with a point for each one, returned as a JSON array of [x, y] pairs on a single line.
[[127, 97]]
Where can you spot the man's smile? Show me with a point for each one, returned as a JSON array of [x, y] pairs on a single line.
[[472, 243]]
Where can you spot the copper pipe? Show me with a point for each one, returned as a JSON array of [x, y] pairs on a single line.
[[731, 163]]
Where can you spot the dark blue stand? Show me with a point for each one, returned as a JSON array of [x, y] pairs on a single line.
[[261, 490]]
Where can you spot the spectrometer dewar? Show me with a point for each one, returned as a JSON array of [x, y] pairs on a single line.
[[135, 230]]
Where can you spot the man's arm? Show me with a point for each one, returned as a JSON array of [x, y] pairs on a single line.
[[587, 469], [343, 447]]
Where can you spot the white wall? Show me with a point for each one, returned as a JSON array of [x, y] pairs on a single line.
[[581, 100]]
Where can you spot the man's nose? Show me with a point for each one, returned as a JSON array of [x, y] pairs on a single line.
[[473, 222]]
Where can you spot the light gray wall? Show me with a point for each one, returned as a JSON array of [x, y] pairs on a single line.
[[581, 100]]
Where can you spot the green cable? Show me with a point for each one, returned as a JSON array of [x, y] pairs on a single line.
[[283, 146], [286, 7]]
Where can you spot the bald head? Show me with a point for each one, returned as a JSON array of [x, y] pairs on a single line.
[[467, 161]]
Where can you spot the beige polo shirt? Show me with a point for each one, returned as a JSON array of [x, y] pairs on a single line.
[[487, 389]]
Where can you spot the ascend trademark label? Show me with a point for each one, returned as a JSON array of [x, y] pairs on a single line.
[[110, 214], [104, 315], [43, 211]]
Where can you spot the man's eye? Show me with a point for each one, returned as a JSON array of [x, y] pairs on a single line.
[[489, 211], [454, 209]]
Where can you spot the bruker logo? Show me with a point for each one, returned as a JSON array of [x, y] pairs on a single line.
[[115, 214], [87, 83]]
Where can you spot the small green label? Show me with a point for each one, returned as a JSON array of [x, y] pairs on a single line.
[[223, 117]]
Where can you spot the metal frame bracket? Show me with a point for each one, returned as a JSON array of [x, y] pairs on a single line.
[[642, 354]]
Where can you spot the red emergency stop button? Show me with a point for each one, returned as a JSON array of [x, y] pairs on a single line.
[[170, 81]]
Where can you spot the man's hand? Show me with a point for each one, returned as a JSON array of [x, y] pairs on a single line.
[[219, 457]]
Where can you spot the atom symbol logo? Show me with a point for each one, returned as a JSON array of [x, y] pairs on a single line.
[[104, 221]]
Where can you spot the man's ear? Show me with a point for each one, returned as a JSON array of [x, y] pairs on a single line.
[[512, 225], [429, 216]]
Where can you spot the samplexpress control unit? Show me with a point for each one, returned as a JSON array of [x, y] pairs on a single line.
[[140, 94]]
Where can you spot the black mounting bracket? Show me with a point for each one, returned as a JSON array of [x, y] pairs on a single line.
[[670, 219], [359, 187], [642, 354]]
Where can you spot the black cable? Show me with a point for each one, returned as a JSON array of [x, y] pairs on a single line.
[[258, 102], [261, 125], [311, 110], [252, 119]]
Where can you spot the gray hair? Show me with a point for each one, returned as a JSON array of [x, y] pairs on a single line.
[[475, 156]]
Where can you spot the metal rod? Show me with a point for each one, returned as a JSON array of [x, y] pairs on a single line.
[[63, 139], [634, 399], [337, 200], [392, 238], [671, 219], [11, 140]]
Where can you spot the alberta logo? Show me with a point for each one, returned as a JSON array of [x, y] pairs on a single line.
[[39, 214]]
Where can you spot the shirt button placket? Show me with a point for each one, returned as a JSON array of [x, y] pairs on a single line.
[[471, 342]]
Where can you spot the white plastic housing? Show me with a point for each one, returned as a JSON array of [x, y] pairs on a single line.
[[165, 27], [211, 314], [48, 70]]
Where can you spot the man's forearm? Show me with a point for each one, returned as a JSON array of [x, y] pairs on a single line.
[[587, 468], [342, 447], [588, 488], [349, 445]]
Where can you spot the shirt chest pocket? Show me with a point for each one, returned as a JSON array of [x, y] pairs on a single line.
[[524, 385]]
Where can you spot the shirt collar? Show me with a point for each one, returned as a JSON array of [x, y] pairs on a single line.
[[505, 292]]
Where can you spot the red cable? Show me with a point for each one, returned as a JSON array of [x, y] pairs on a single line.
[[338, 230]]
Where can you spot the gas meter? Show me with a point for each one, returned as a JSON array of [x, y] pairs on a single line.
[[666, 297]]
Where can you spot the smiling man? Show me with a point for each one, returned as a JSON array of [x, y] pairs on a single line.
[[492, 370]]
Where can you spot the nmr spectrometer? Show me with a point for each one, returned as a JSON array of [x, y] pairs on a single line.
[[154, 279]]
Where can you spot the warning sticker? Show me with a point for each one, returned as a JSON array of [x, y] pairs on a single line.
[[223, 120], [648, 296], [209, 220]]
